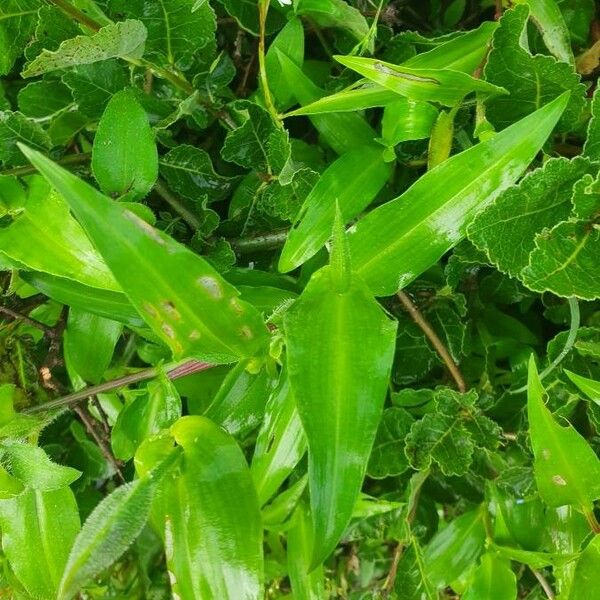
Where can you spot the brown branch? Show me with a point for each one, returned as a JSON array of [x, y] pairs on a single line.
[[86, 419], [436, 342], [48, 331], [544, 583], [173, 371]]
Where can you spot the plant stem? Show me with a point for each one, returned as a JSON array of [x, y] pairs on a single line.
[[267, 241], [592, 521], [544, 583], [173, 371], [48, 331], [432, 336], [76, 14], [190, 218], [263, 8], [70, 159]]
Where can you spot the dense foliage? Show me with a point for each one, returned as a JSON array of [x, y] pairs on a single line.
[[300, 299]]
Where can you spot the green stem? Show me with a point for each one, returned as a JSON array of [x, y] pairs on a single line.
[[76, 14], [263, 8], [172, 370], [163, 191]]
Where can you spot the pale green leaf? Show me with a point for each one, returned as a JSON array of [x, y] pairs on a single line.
[[111, 528], [124, 39]]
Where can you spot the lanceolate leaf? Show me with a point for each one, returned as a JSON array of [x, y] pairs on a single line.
[[492, 579], [353, 181], [107, 533], [589, 387], [567, 470], [330, 381], [124, 157], [211, 518], [445, 86], [280, 444], [178, 293], [586, 576], [123, 39], [38, 530], [444, 201]]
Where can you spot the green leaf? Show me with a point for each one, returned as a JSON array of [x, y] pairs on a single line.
[[258, 142], [189, 172], [15, 128], [177, 35], [104, 303], [61, 249], [387, 457], [506, 229], [211, 517], [199, 313], [449, 434], [531, 80], [446, 86], [592, 142], [89, 344], [306, 584], [588, 386], [119, 40], [353, 181], [17, 22], [406, 119], [124, 155], [38, 530], [493, 578], [40, 99], [146, 414], [111, 528], [342, 132], [412, 582], [289, 41], [455, 548], [92, 86], [586, 577], [444, 200], [329, 383], [335, 13], [565, 261], [555, 33], [280, 443], [32, 467], [567, 471], [239, 405]]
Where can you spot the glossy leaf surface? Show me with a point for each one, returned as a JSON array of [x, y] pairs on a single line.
[[436, 85], [331, 381], [444, 201], [353, 181], [143, 260]]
